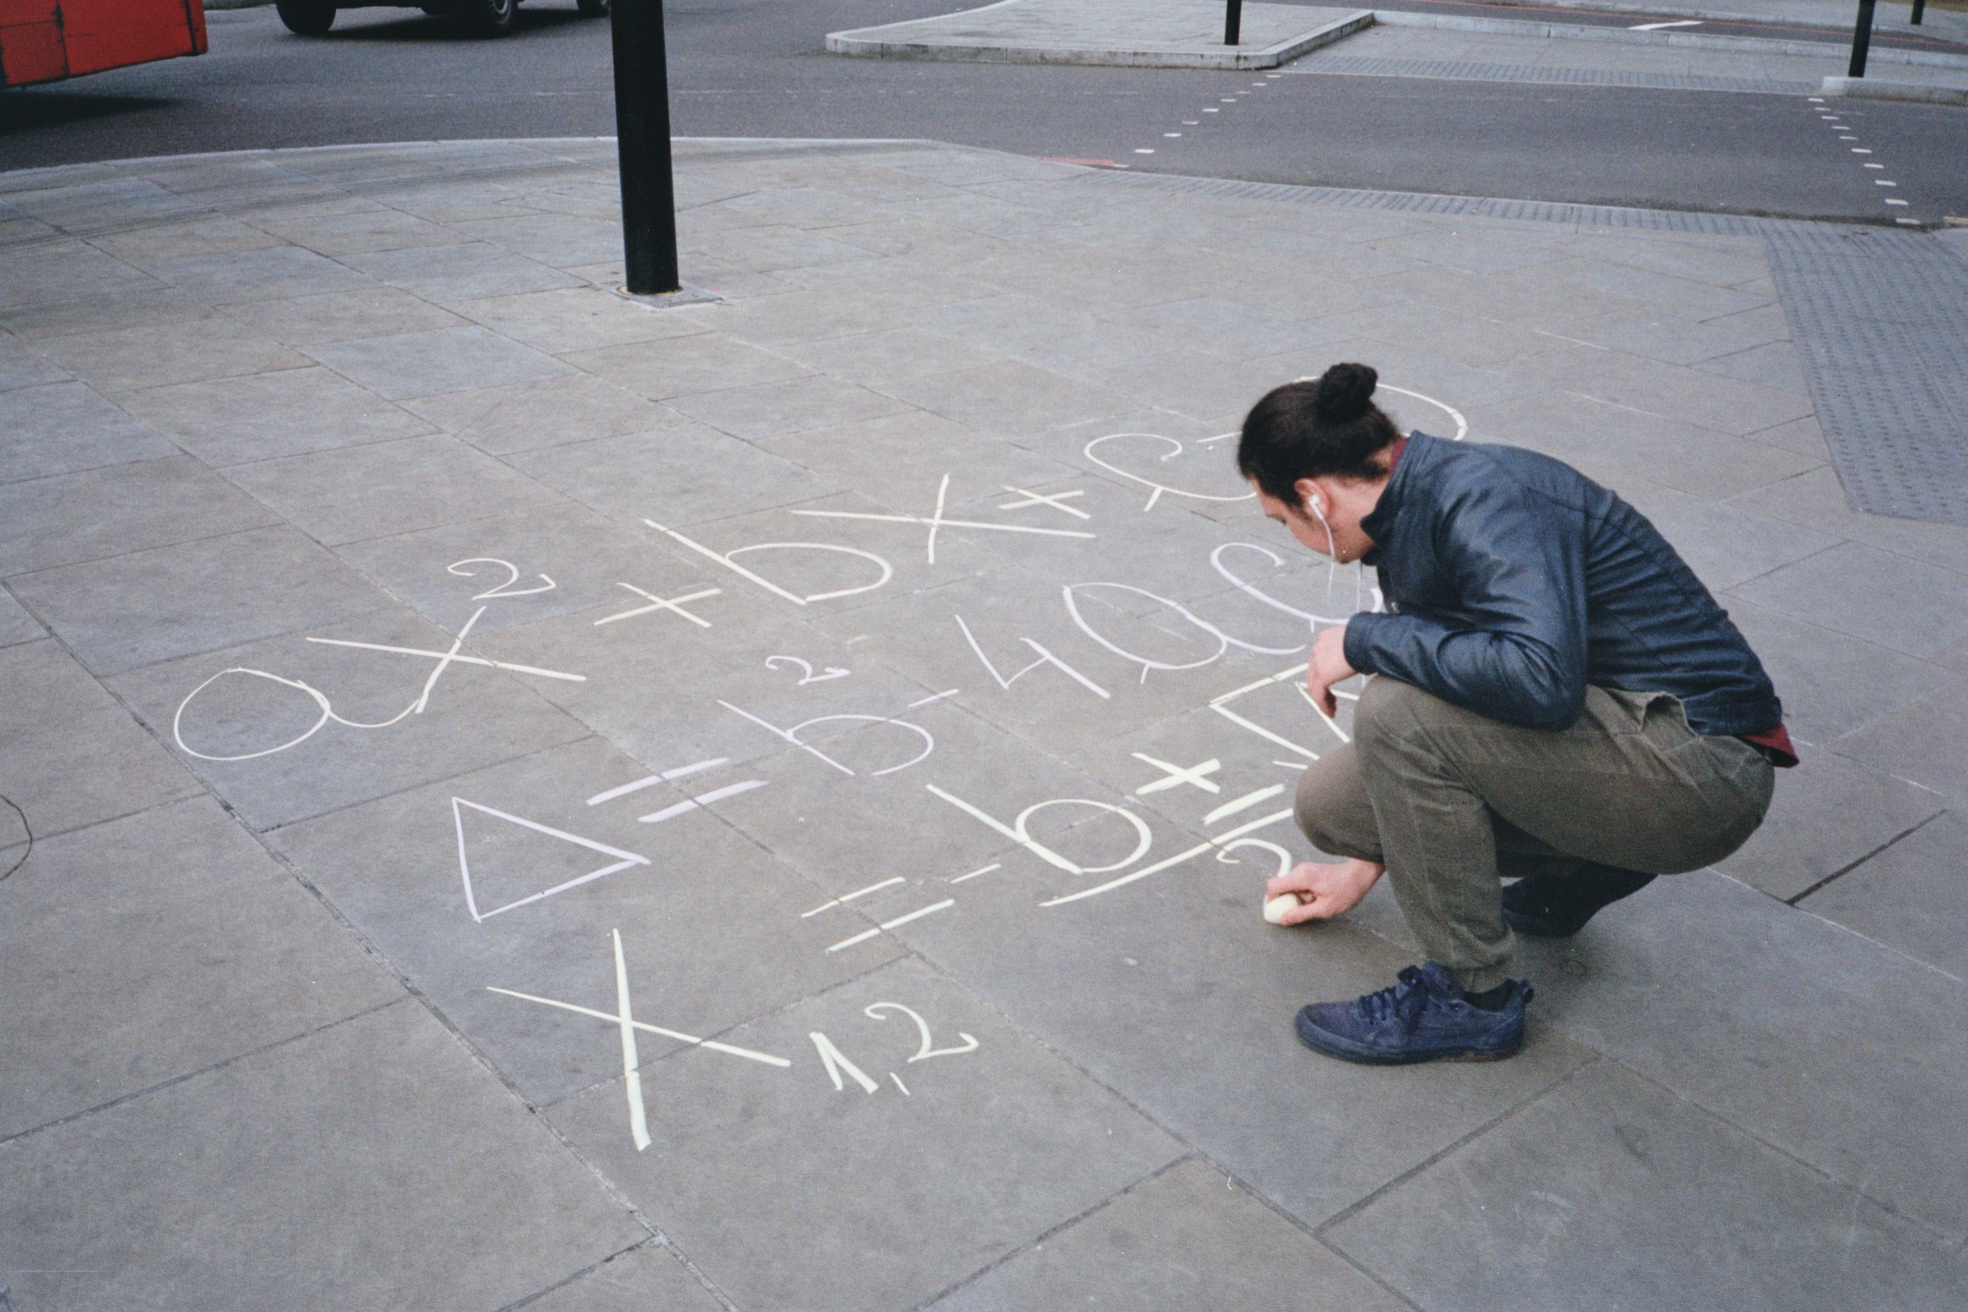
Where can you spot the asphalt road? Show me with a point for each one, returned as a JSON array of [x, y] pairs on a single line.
[[756, 68]]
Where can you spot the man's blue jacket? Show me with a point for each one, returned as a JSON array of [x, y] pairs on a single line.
[[1514, 581]]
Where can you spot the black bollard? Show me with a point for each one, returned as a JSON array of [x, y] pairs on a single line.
[[1233, 21], [1861, 39], [642, 131], [1919, 8]]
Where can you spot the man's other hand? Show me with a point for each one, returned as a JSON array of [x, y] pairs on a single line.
[[1327, 667]]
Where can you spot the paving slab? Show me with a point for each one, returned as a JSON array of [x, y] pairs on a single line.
[[646, 1279], [304, 321], [137, 980], [16, 625], [23, 366], [835, 1218], [1609, 1191], [82, 759], [132, 610], [1870, 594], [684, 474], [143, 504], [1178, 35], [556, 411], [1926, 741], [406, 365], [1824, 819], [381, 488], [161, 354], [58, 428], [235, 421], [1718, 994], [1907, 896], [384, 1166], [1187, 1239], [1831, 683]]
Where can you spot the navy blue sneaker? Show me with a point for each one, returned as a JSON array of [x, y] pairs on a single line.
[[1422, 1018]]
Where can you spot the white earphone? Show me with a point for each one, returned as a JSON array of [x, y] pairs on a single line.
[[1318, 509]]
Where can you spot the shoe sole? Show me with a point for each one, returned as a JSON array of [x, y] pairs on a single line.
[[1330, 1045]]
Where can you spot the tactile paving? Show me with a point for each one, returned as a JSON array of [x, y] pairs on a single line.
[[1465, 70], [1881, 324]]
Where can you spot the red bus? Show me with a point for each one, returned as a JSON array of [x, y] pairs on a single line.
[[47, 40]]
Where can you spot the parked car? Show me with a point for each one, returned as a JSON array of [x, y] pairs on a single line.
[[488, 17]]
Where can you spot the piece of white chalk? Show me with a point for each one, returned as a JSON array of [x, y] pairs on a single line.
[[1275, 909]]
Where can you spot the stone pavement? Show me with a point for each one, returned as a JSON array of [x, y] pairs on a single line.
[[1133, 33], [539, 799]]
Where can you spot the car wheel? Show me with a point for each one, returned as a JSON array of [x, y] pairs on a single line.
[[493, 17], [592, 8], [306, 17]]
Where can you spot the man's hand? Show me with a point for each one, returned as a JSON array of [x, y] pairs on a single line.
[[1324, 890], [1327, 667]]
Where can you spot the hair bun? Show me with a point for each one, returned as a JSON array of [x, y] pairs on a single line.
[[1344, 393]]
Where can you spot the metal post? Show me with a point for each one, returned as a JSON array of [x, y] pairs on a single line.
[[1861, 39], [1919, 8], [642, 131], [1233, 21]]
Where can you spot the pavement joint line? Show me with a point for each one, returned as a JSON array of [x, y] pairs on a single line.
[[273, 523], [584, 1272], [1850, 866], [36, 838], [1858, 1191], [30, 1132], [1092, 1210], [1361, 1204]]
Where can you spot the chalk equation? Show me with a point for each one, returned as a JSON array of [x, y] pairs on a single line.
[[836, 1065]]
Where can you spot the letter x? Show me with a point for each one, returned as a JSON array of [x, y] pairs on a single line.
[[1175, 775], [658, 603]]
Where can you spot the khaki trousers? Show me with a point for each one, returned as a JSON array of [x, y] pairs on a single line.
[[1451, 802]]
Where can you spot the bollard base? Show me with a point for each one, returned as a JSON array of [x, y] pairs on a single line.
[[684, 295]]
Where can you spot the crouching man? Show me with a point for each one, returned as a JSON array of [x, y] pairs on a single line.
[[1557, 700]]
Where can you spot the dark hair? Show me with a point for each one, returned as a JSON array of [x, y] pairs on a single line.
[[1312, 428]]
